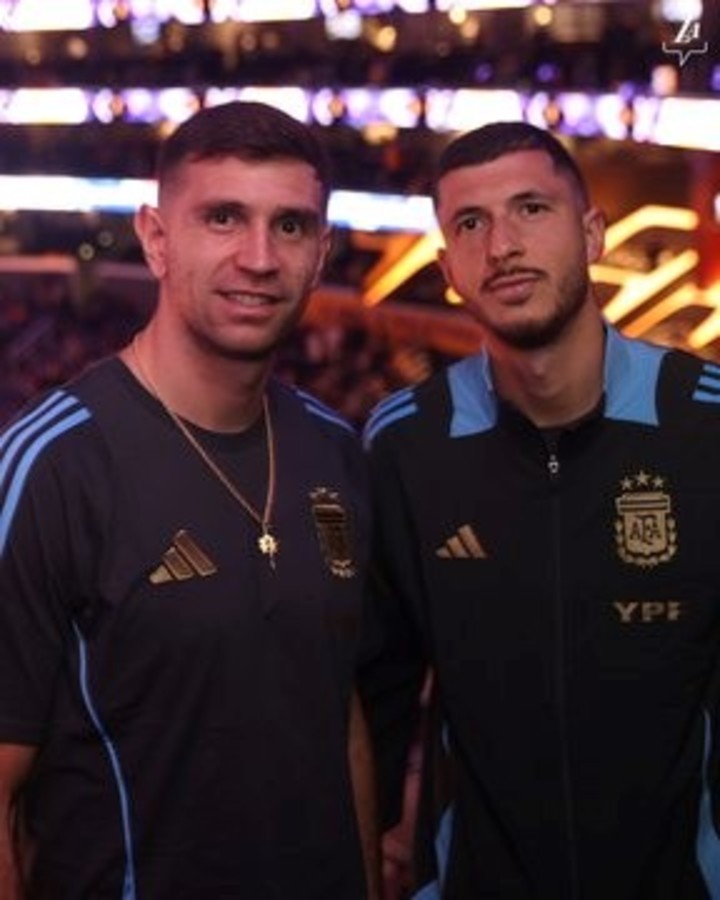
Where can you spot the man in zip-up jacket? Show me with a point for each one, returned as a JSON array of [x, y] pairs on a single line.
[[548, 516]]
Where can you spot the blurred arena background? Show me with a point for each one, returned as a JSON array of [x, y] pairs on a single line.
[[88, 86]]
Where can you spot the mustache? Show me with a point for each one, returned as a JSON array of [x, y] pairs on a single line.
[[509, 271]]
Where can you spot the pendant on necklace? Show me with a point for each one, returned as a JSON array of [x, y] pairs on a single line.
[[269, 545]]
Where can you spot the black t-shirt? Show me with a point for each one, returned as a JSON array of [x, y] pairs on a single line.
[[189, 703]]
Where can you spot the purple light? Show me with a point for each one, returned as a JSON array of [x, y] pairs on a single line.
[[547, 73], [484, 73]]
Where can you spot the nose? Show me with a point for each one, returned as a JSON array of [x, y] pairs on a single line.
[[255, 250], [503, 240]]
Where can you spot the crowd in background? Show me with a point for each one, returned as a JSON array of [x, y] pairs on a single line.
[[48, 334]]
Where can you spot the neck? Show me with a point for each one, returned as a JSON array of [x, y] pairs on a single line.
[[216, 393], [558, 384]]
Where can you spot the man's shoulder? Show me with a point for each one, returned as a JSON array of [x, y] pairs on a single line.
[[51, 419], [296, 403], [67, 425], [102, 384], [654, 385], [322, 442], [412, 411], [50, 450], [689, 388]]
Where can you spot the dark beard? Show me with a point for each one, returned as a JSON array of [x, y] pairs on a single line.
[[574, 292]]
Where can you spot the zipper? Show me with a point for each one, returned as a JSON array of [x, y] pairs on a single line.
[[553, 468]]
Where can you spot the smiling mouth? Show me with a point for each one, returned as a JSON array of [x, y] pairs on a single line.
[[248, 299]]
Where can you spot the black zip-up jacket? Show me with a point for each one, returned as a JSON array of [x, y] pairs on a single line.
[[565, 589]]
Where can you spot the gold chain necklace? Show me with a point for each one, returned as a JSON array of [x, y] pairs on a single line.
[[267, 543]]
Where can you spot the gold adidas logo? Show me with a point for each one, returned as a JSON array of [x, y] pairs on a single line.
[[464, 544], [183, 560]]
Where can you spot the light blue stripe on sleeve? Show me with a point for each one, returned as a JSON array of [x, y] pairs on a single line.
[[443, 838], [14, 437], [58, 397], [329, 417], [394, 414], [399, 399], [316, 408], [708, 386], [12, 497], [429, 891], [129, 890], [706, 396], [396, 399]]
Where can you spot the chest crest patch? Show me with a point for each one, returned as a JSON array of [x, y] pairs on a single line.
[[331, 525], [645, 530]]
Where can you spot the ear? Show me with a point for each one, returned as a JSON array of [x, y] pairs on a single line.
[[594, 228], [444, 265], [150, 231]]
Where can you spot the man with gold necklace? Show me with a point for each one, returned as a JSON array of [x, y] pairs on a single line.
[[182, 548]]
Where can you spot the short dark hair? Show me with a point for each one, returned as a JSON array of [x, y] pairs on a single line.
[[247, 130], [497, 139]]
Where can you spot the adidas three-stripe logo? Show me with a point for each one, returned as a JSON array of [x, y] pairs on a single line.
[[183, 560], [464, 544]]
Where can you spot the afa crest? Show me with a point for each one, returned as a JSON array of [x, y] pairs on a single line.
[[331, 525], [646, 531]]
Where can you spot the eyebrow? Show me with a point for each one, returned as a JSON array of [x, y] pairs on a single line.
[[532, 194], [306, 214], [464, 211], [519, 197]]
